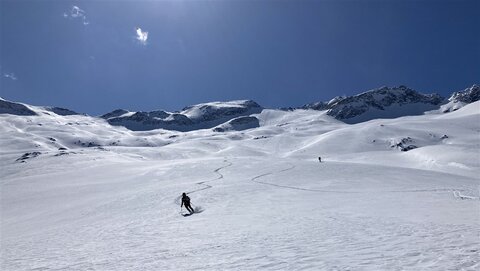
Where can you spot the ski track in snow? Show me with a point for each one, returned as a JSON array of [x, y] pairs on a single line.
[[206, 186], [220, 176], [457, 194], [455, 191], [255, 179]]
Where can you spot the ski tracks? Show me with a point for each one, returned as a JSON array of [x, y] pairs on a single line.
[[204, 183], [207, 186], [458, 195], [291, 167], [456, 192]]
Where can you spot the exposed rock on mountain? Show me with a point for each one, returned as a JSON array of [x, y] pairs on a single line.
[[384, 102], [19, 109], [461, 98], [7, 107], [201, 116], [114, 113], [61, 111]]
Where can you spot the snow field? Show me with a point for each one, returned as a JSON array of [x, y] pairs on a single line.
[[125, 216], [266, 201]]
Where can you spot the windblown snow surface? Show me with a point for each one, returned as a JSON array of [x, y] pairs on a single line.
[[79, 194]]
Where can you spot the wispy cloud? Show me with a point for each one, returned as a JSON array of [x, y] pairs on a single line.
[[142, 36], [77, 13], [10, 76]]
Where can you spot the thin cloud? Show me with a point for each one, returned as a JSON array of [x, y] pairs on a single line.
[[142, 36], [77, 13], [10, 76]]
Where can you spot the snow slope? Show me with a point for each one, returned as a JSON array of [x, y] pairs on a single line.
[[104, 197]]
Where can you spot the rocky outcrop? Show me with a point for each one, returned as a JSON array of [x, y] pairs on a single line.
[[201, 116], [384, 102], [7, 107]]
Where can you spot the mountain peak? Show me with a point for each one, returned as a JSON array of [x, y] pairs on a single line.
[[468, 95], [461, 98], [382, 102], [13, 108]]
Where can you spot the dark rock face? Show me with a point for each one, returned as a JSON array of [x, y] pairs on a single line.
[[404, 144], [142, 121], [28, 155], [114, 113], [351, 107], [7, 107], [61, 111], [179, 119], [194, 117], [316, 106], [461, 98], [159, 114], [469, 95], [244, 120], [86, 144], [379, 103]]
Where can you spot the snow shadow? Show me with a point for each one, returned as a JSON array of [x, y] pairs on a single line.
[[198, 209]]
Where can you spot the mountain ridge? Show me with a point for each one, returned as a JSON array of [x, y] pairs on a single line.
[[383, 102]]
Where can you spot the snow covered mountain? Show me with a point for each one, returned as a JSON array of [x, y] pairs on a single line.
[[201, 116], [389, 194], [61, 111], [461, 98], [20, 109], [7, 107], [238, 124], [384, 102]]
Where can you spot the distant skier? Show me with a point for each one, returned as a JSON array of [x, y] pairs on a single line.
[[319, 159], [186, 202]]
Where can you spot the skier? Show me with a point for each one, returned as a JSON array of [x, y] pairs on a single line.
[[186, 202], [319, 159]]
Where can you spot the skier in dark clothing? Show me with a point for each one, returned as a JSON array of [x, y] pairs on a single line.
[[186, 202]]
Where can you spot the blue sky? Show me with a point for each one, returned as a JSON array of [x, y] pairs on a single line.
[[87, 55]]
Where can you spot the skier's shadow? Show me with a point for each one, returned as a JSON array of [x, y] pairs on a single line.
[[196, 210]]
